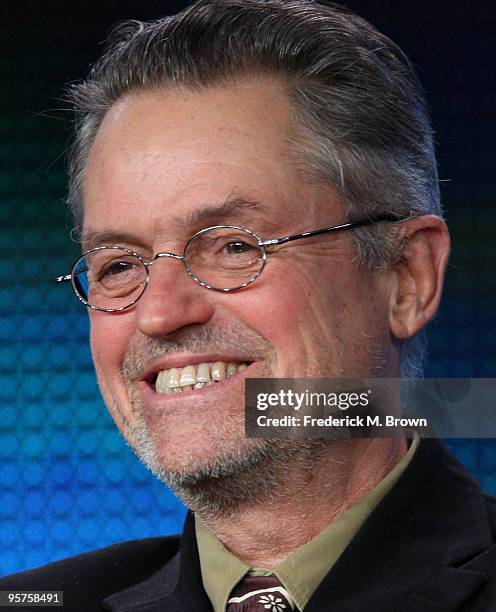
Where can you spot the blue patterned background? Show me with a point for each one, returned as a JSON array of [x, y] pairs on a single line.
[[68, 483]]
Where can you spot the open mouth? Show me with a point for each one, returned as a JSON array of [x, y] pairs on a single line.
[[197, 376]]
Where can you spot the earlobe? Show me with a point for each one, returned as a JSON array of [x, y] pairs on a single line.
[[418, 276]]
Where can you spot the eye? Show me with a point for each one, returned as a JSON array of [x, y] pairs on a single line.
[[237, 248], [117, 267], [118, 270], [223, 249]]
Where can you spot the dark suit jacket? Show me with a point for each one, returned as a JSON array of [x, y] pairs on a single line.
[[429, 546]]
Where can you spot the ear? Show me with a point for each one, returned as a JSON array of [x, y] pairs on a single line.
[[419, 275]]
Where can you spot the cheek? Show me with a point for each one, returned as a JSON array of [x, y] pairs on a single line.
[[316, 327], [286, 310], [109, 336], [297, 300]]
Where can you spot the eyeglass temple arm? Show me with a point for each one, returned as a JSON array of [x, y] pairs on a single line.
[[325, 230], [61, 279], [67, 277]]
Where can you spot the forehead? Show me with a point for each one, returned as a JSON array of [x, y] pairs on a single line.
[[161, 157]]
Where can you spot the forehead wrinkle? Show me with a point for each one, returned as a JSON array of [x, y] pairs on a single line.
[[93, 238], [236, 211]]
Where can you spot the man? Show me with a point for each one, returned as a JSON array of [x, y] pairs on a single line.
[[200, 139]]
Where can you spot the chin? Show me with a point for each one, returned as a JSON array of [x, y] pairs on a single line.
[[212, 479]]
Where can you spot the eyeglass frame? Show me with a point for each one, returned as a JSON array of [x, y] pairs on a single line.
[[260, 243]]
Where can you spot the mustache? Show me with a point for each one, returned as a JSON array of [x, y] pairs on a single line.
[[245, 343]]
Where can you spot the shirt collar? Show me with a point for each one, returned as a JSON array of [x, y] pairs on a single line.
[[303, 571]]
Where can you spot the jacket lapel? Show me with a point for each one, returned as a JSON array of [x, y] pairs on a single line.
[[177, 587], [418, 551]]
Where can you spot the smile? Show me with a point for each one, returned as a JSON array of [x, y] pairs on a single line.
[[176, 380]]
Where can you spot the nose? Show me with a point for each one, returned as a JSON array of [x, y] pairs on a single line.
[[172, 300]]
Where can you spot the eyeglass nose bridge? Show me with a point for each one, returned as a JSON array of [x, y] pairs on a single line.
[[165, 254], [148, 264]]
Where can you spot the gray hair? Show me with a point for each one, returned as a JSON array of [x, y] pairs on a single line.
[[361, 122]]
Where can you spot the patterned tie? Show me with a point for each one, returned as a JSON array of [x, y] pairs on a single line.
[[260, 594]]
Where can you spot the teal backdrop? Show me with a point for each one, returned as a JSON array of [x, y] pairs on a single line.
[[68, 483]]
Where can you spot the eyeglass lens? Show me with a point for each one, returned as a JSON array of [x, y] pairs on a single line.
[[224, 258], [111, 278]]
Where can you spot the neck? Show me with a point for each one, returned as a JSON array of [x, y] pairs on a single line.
[[265, 532]]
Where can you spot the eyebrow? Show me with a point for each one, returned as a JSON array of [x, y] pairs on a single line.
[[93, 239], [233, 211]]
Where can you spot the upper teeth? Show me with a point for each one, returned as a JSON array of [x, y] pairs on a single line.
[[195, 376]]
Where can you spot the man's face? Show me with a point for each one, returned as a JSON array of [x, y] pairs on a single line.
[[160, 160]]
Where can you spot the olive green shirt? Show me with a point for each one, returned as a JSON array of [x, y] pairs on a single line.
[[305, 568]]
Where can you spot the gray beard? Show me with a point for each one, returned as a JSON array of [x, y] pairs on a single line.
[[255, 474], [258, 472], [247, 475]]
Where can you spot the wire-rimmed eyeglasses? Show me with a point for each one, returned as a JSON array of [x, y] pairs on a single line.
[[222, 258]]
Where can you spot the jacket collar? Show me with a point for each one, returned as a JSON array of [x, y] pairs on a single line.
[[417, 552], [176, 587]]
